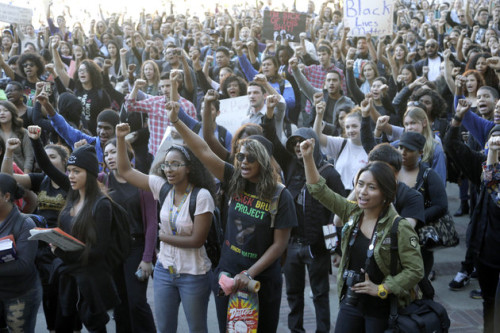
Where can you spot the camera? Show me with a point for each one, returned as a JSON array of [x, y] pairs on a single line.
[[351, 278]]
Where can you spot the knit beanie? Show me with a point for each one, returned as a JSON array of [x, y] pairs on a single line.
[[70, 108], [85, 157], [109, 116]]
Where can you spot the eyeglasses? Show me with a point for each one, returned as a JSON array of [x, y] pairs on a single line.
[[250, 158], [28, 64], [414, 103], [172, 166]]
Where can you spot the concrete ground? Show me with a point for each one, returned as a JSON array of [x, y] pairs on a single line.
[[465, 313]]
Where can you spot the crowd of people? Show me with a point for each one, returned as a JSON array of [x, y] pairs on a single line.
[[351, 131]]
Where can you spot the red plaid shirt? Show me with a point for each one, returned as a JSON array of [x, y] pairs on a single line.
[[316, 75], [158, 121]]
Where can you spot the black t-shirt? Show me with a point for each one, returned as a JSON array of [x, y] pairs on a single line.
[[51, 200], [491, 244], [248, 231], [128, 197], [93, 102], [409, 203]]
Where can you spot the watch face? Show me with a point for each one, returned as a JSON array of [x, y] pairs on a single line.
[[383, 293]]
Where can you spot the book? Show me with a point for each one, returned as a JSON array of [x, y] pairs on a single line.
[[57, 237], [7, 249]]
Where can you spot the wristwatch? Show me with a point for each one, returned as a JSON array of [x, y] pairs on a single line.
[[382, 292]]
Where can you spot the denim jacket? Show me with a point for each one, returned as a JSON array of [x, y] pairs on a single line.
[[410, 268]]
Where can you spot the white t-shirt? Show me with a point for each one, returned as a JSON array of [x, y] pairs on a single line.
[[351, 159], [185, 260], [433, 68]]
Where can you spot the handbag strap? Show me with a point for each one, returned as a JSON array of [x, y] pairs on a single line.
[[393, 316]]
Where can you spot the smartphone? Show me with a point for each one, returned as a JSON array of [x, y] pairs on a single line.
[[47, 88], [139, 275]]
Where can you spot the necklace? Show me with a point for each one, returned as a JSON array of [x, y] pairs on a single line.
[[172, 215]]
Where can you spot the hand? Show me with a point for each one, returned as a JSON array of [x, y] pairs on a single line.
[[494, 63], [475, 29], [209, 59], [123, 52], [211, 95], [122, 130], [366, 287], [383, 88], [425, 70], [272, 101], [39, 87], [336, 260], [173, 111], [446, 54], [147, 270], [50, 68], [462, 107], [12, 144], [42, 98], [149, 43], [382, 121], [366, 106], [463, 32], [317, 98], [240, 282], [238, 45], [140, 83], [80, 143], [15, 45], [320, 108], [411, 56], [456, 71], [493, 143], [54, 43], [260, 78], [34, 132], [293, 62], [349, 64], [351, 53], [107, 64], [303, 35], [307, 148]]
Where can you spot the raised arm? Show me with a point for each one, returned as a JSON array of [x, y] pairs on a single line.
[[131, 175], [304, 85], [197, 145], [7, 163], [318, 120], [58, 63]]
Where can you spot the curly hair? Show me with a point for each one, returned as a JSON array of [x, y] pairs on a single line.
[[198, 175], [95, 75], [490, 77], [61, 150], [477, 75], [439, 105], [156, 70], [36, 59], [268, 177], [16, 122], [232, 78]]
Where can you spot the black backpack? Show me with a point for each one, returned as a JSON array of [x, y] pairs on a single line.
[[215, 236], [121, 241]]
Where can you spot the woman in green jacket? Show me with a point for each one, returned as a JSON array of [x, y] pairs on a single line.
[[364, 280]]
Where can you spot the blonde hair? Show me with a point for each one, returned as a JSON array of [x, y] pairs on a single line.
[[420, 115]]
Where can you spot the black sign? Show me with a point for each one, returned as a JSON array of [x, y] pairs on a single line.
[[283, 25]]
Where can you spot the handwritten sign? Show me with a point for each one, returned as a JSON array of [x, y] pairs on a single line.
[[13, 14], [283, 24], [374, 17], [232, 112]]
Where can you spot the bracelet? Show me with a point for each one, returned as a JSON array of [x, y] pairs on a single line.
[[456, 118], [246, 274], [173, 122]]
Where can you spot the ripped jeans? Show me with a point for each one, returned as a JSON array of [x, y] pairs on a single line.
[[20, 312]]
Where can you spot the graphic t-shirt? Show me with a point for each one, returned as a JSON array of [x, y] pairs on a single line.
[[248, 231], [51, 200]]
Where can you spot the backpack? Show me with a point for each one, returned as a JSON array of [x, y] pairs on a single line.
[[121, 241], [213, 243], [221, 130]]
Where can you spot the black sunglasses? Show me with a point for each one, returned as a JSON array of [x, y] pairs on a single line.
[[250, 158]]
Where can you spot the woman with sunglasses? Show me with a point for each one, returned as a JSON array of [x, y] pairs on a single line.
[[183, 270], [255, 237]]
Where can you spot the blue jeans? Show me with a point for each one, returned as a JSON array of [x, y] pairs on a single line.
[[170, 290], [20, 312]]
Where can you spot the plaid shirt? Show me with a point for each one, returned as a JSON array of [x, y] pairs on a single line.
[[158, 121], [316, 75]]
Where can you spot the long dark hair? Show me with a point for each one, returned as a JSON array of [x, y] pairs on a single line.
[[84, 225], [17, 122], [95, 75]]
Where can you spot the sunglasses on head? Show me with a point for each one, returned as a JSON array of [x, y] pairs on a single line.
[[250, 158]]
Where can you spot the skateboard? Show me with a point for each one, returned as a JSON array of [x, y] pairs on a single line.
[[243, 310]]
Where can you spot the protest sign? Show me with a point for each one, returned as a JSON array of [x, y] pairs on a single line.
[[374, 17], [13, 14], [232, 112], [284, 25]]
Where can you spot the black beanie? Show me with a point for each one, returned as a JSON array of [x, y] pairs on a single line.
[[109, 116], [70, 108], [85, 157]]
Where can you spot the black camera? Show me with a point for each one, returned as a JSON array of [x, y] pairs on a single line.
[[351, 278]]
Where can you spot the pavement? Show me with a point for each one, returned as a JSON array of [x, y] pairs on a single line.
[[465, 313]]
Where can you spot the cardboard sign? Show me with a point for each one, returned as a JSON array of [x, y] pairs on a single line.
[[232, 112], [13, 14], [284, 25], [374, 17]]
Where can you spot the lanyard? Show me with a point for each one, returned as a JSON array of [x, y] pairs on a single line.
[[172, 215], [371, 247]]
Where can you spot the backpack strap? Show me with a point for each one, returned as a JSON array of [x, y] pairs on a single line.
[[393, 316], [273, 209], [163, 193], [222, 134], [341, 149], [197, 127], [192, 202]]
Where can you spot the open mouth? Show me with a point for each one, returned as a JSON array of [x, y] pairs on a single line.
[[482, 106]]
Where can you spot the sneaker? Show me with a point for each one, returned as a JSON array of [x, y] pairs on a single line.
[[460, 281], [476, 294], [432, 275]]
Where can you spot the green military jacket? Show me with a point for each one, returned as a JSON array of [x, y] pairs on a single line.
[[410, 268]]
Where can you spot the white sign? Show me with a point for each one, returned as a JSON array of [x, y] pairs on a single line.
[[232, 112], [13, 14], [374, 17]]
